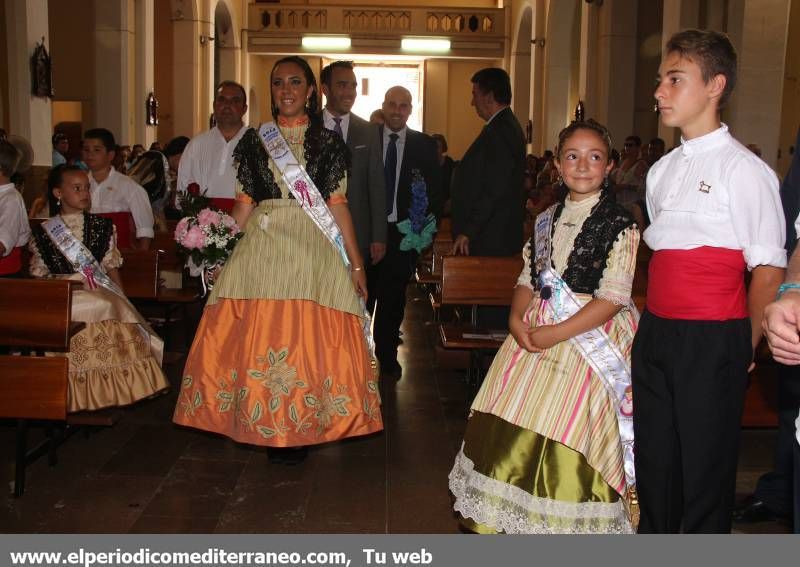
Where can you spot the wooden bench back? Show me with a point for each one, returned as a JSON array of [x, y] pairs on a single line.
[[33, 387], [35, 313], [441, 248], [139, 273], [479, 280]]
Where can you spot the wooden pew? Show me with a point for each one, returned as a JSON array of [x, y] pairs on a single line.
[[35, 315], [474, 281], [139, 273]]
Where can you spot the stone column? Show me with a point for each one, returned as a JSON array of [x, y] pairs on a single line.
[[115, 68], [588, 82], [538, 57], [145, 71], [754, 111], [29, 116], [678, 15], [559, 48], [186, 91], [616, 63]]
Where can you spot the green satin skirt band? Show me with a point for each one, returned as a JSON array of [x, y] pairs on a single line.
[[531, 462]]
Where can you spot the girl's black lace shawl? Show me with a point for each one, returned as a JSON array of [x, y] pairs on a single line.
[[96, 237], [592, 246], [327, 162]]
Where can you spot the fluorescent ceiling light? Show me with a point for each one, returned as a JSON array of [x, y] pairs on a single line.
[[326, 42], [426, 45]]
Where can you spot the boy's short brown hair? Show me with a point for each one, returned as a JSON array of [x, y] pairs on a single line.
[[712, 51], [9, 158]]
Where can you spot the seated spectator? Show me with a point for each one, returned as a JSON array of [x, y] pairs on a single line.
[[115, 195], [655, 149], [174, 153], [60, 148], [633, 168], [14, 229]]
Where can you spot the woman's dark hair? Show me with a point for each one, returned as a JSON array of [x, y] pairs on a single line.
[[315, 126], [55, 179], [590, 125], [313, 102]]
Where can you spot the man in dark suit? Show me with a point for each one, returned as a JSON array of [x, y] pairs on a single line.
[[775, 496], [408, 158], [488, 201], [366, 194]]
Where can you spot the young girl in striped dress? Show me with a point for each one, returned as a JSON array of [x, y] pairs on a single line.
[[549, 444]]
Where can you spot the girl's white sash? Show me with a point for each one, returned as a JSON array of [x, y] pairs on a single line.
[[596, 346], [311, 202]]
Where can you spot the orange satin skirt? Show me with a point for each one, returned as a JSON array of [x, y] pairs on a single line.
[[279, 373]]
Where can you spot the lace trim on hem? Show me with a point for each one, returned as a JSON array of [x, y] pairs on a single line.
[[511, 510]]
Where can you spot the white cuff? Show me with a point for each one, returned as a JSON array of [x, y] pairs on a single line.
[[757, 255], [145, 233]]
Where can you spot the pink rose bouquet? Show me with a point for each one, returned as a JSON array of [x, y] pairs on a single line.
[[206, 239]]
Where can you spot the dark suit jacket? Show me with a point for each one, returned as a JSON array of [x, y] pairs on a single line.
[[789, 385], [366, 194], [420, 153], [487, 192]]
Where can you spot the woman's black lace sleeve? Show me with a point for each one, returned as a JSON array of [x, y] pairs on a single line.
[[331, 163], [252, 168]]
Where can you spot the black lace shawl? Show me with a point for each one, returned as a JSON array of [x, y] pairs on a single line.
[[327, 162], [96, 237], [592, 246]]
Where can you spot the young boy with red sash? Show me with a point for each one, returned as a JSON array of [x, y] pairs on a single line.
[[715, 211], [14, 229]]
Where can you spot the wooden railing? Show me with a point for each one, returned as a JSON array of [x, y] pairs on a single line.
[[481, 31]]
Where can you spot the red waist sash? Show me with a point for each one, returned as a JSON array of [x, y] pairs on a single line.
[[704, 283], [225, 205], [12, 263], [126, 228]]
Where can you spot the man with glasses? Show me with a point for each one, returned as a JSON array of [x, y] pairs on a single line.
[[207, 160]]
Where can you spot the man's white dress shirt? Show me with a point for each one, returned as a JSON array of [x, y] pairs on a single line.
[[330, 123], [14, 228], [713, 191], [208, 161], [119, 193]]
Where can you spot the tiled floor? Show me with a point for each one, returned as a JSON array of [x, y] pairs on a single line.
[[145, 475]]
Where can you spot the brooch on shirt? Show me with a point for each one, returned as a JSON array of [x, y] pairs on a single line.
[[704, 187]]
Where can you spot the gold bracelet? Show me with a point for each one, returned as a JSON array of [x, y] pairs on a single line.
[[357, 269]]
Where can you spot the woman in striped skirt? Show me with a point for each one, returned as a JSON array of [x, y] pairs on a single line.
[[280, 358], [549, 445]]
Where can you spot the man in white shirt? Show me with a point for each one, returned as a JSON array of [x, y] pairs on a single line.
[[14, 229], [114, 194], [715, 212], [208, 159]]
